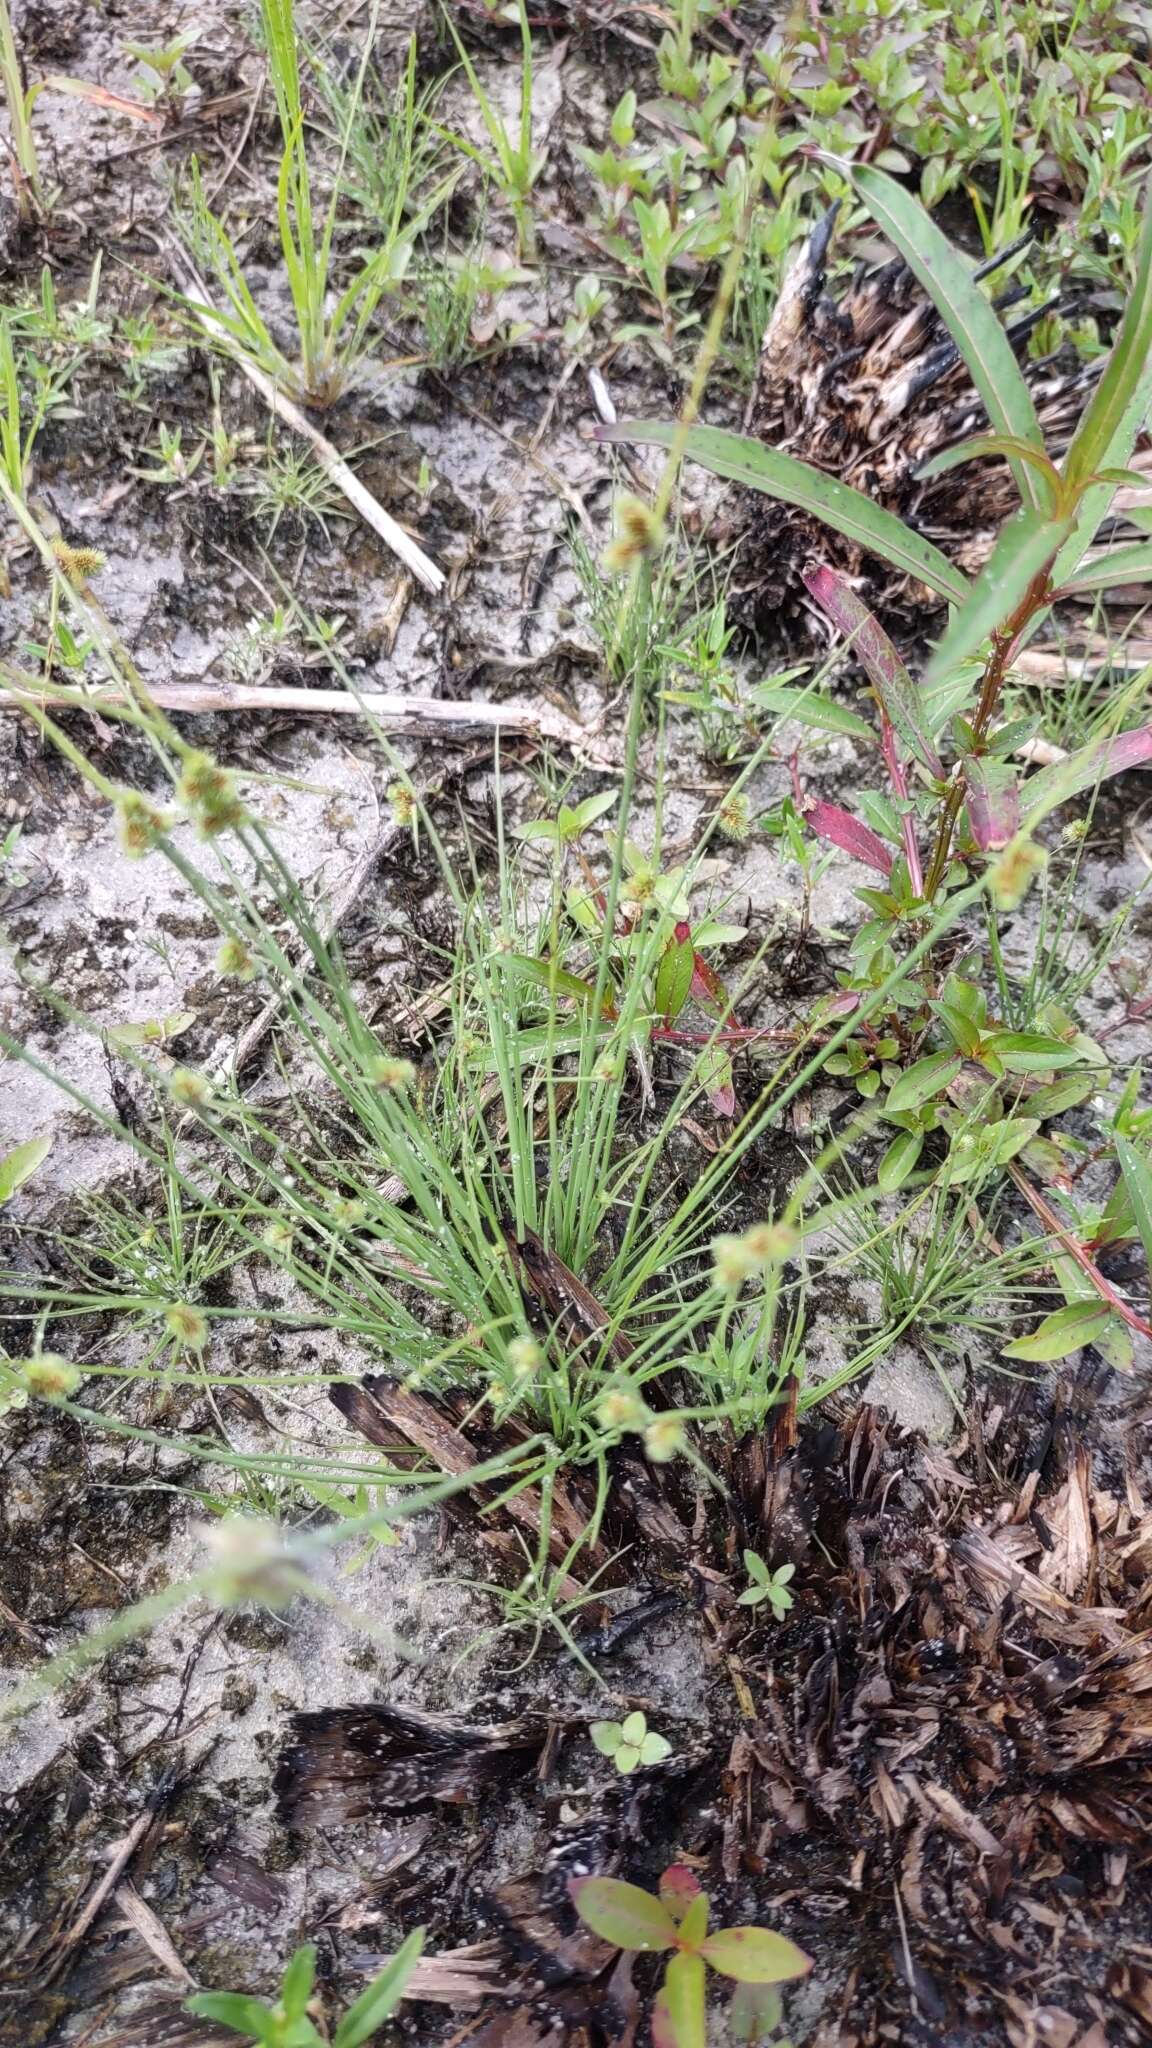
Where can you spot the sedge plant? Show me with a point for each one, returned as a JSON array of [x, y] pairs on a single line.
[[333, 324]]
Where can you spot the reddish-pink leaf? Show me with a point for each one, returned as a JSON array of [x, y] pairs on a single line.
[[829, 821], [678, 1887], [707, 986], [879, 660], [993, 796], [1083, 770], [622, 1913]]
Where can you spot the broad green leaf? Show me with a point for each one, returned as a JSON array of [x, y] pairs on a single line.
[[809, 708], [1118, 408], [1112, 566], [1066, 1330], [674, 978], [632, 1728], [753, 1955], [606, 1736], [1025, 545], [379, 1999], [678, 2019], [927, 1078], [1030, 1052], [745, 461], [969, 317], [1138, 1181], [899, 1161], [1083, 770], [622, 1913], [20, 1164]]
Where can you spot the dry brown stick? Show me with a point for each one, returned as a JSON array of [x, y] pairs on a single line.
[[121, 1858], [421, 716]]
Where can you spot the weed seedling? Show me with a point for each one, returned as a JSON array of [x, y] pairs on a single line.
[[289, 2023], [767, 1585], [677, 1921], [630, 1743]]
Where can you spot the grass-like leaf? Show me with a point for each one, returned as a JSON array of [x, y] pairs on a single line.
[[967, 314], [1107, 433], [1113, 566], [1093, 446], [745, 461]]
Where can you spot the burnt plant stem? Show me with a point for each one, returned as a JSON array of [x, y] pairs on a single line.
[[991, 687]]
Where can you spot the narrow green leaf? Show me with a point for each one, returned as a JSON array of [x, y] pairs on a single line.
[[847, 511], [1025, 545], [1093, 447], [1031, 1052], [298, 1979], [971, 321], [622, 1913], [543, 975], [753, 1955], [981, 445], [20, 1164], [1112, 566], [379, 1999], [1066, 1330], [1119, 407], [927, 1078], [1138, 1181], [678, 2019], [231, 2009]]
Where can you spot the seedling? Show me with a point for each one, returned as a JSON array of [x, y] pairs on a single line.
[[170, 80], [630, 1743], [767, 1585], [677, 1921], [289, 2023], [517, 165]]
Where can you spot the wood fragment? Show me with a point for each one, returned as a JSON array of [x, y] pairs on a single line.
[[139, 1916]]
